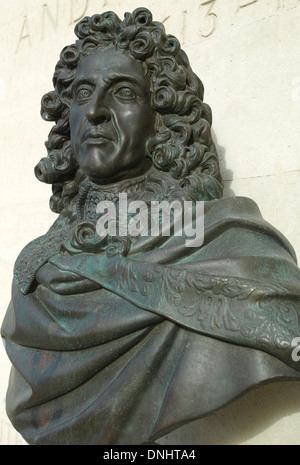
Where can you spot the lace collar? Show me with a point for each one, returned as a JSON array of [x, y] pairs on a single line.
[[90, 194]]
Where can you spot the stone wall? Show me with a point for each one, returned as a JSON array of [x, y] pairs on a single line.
[[247, 55]]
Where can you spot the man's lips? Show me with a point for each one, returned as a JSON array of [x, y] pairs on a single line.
[[96, 135]]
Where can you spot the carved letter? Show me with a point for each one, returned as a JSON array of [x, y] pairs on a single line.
[[212, 18], [23, 35], [247, 4], [166, 19], [72, 19], [53, 21], [184, 25]]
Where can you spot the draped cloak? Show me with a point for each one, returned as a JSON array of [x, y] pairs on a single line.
[[166, 335]]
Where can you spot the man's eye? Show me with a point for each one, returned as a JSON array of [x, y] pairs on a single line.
[[83, 93], [125, 93]]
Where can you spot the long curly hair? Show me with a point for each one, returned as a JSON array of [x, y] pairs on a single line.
[[182, 147]]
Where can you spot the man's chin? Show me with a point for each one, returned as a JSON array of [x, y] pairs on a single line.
[[103, 180], [99, 172]]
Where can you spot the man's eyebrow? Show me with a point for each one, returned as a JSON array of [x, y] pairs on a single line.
[[115, 77], [79, 81], [109, 80]]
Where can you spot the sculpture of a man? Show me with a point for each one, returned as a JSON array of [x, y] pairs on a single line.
[[121, 338]]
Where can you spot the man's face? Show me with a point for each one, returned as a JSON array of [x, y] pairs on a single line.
[[111, 116]]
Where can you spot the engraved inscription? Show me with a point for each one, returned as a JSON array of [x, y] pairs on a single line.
[[77, 13], [24, 34], [210, 15], [52, 19], [51, 16], [184, 26], [243, 5], [211, 18], [166, 19]]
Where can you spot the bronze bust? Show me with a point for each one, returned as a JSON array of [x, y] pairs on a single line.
[[121, 338]]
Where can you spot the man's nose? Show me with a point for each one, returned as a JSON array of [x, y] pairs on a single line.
[[97, 112]]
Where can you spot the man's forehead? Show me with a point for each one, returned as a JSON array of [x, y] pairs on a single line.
[[109, 63]]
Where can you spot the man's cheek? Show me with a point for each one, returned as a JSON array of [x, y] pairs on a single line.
[[75, 146]]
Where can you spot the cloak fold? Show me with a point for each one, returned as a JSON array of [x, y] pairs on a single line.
[[163, 336]]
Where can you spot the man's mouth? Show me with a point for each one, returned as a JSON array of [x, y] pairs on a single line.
[[96, 135]]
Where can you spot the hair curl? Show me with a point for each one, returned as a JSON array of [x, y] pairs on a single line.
[[182, 146]]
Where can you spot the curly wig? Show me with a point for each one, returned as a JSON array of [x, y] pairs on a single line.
[[182, 147]]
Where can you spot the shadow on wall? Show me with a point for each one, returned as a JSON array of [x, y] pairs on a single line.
[[226, 173], [245, 419]]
